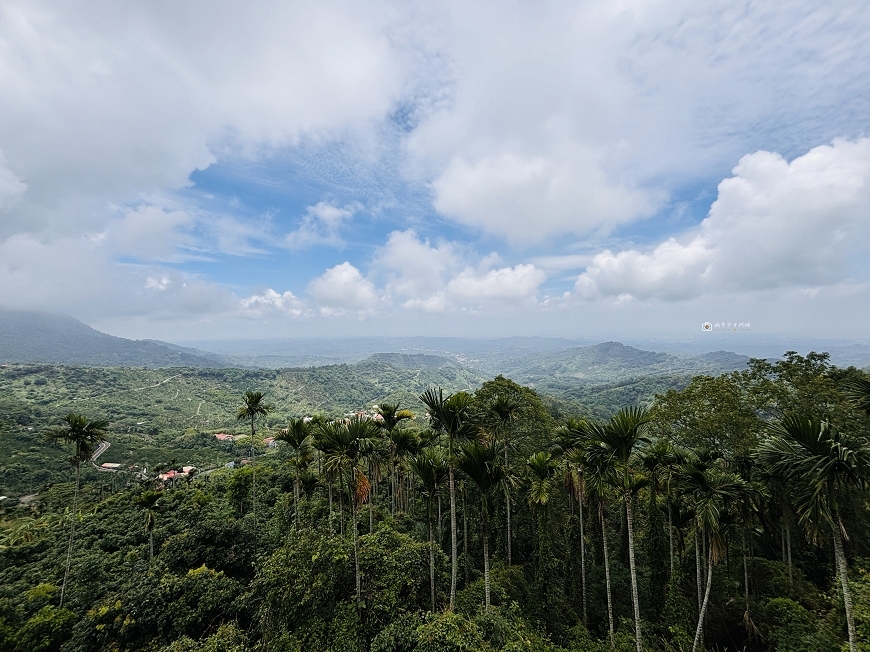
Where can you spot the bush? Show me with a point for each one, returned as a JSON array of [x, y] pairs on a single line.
[[449, 632]]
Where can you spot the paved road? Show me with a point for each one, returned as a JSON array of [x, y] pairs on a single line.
[[102, 448]]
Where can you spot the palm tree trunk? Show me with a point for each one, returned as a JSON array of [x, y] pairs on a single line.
[[782, 539], [440, 528], [72, 529], [253, 481], [507, 500], [465, 534], [583, 562], [151, 544], [698, 568], [700, 629], [393, 488], [341, 505], [634, 597], [330, 507], [431, 557], [788, 550], [453, 560], [747, 616], [296, 495], [486, 585], [842, 571], [671, 536], [607, 578], [355, 547]]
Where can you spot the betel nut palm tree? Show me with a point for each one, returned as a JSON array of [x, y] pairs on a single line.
[[616, 444], [148, 501], [85, 435], [504, 411], [711, 489], [595, 473], [345, 446], [453, 417], [297, 435], [482, 465], [399, 443], [253, 407], [430, 467], [823, 464]]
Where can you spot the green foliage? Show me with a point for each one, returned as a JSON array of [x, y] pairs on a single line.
[[217, 583], [228, 638], [449, 632], [788, 626], [45, 631]]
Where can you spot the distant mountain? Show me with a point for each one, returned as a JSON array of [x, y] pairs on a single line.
[[411, 360], [37, 337], [610, 362]]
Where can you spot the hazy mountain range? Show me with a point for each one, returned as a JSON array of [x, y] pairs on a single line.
[[31, 337]]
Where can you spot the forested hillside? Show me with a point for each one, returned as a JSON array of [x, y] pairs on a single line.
[[731, 513], [156, 416]]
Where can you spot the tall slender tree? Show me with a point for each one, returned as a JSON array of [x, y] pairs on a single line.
[[149, 501], [345, 448], [542, 469], [824, 465], [297, 435], [617, 444], [85, 435], [481, 463], [454, 417], [398, 443], [430, 467], [504, 411], [253, 407], [712, 491]]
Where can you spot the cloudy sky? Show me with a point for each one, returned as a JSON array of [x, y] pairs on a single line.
[[205, 170]]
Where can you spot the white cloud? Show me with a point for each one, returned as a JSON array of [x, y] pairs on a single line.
[[506, 284], [12, 188], [270, 301], [503, 194], [438, 278], [774, 224], [321, 225], [103, 104], [79, 276], [413, 268], [343, 288], [573, 117], [149, 232]]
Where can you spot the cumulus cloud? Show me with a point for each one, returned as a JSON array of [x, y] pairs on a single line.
[[321, 225], [575, 118], [503, 194], [436, 278], [343, 288], [509, 284], [414, 268], [774, 224], [270, 302]]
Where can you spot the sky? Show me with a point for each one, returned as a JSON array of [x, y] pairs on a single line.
[[216, 170]]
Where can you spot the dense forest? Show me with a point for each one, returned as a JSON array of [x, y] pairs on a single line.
[[728, 514]]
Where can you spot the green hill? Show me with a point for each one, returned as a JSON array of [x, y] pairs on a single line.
[[36, 337]]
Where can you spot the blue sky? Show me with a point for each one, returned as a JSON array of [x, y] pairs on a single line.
[[594, 169]]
